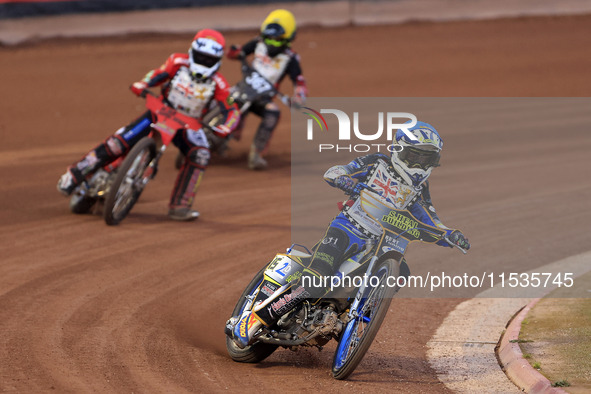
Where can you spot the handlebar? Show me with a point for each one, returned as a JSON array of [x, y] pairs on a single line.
[[147, 92]]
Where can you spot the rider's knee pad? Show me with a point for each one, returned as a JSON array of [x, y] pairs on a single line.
[[330, 251], [199, 156], [114, 146], [271, 106], [271, 118]]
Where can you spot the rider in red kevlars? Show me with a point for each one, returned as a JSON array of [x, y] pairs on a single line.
[[191, 85], [273, 59]]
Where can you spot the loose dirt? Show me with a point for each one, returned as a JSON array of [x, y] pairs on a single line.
[[141, 307]]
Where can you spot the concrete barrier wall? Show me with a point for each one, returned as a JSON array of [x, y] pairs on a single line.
[[28, 8]]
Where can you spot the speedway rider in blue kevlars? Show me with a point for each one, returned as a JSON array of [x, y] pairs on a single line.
[[400, 179]]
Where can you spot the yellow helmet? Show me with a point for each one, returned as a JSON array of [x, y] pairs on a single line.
[[279, 25]]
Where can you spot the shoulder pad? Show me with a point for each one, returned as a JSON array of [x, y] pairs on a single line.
[[180, 59]]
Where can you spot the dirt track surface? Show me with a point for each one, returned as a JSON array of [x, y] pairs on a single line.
[[141, 307]]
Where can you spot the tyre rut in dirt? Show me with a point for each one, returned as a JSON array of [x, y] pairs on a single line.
[[128, 184], [360, 332], [258, 351]]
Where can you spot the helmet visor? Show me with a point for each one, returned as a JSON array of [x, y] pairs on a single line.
[[274, 43], [274, 30], [418, 158], [204, 59]]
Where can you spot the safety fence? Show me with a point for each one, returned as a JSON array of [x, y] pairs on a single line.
[[26, 8]]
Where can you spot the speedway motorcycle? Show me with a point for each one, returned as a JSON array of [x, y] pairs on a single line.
[[252, 87], [117, 186], [348, 314]]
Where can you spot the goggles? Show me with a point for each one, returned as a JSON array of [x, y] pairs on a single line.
[[204, 59], [274, 43], [418, 158]]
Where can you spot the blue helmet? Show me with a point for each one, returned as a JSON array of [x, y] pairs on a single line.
[[414, 159]]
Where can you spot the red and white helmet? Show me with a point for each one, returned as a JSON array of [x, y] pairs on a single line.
[[205, 55]]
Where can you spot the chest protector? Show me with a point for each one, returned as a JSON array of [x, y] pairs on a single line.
[[272, 68], [393, 192], [188, 96]]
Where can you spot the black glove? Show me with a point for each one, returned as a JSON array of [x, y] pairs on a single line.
[[457, 238], [345, 183]]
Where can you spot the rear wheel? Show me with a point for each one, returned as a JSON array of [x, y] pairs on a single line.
[[132, 176], [360, 332], [258, 351]]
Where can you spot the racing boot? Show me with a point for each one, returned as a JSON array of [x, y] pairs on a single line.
[[183, 214], [68, 181], [255, 160]]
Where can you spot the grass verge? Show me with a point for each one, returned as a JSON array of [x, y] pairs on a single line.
[[557, 336]]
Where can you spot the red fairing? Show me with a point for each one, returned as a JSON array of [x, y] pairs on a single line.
[[167, 121]]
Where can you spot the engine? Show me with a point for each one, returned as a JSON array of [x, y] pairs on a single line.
[[309, 326]]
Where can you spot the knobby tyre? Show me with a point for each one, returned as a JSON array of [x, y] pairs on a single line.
[[129, 182], [258, 351], [359, 333]]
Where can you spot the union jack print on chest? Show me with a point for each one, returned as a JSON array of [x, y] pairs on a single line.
[[390, 188]]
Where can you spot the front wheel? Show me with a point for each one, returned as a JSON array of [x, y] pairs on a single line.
[[132, 176], [360, 332], [258, 351]]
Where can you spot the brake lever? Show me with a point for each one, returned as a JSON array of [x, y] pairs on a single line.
[[284, 99]]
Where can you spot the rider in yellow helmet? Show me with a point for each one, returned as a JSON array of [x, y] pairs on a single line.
[[273, 59]]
